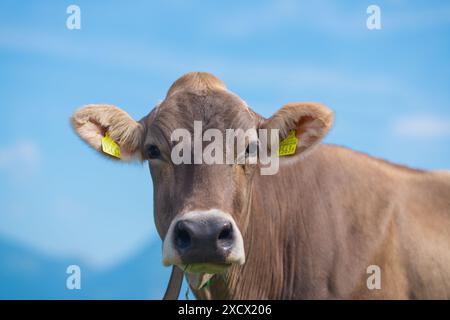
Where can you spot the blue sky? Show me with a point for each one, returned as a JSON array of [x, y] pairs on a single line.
[[389, 89]]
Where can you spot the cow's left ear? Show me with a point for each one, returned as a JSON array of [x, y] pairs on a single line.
[[109, 130], [311, 121]]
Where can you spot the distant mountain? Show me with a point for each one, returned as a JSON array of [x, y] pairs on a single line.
[[28, 274]]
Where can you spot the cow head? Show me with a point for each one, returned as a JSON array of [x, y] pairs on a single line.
[[200, 209]]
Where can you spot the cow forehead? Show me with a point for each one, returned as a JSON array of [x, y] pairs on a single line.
[[219, 109]]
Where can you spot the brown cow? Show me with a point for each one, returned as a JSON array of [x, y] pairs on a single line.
[[317, 229]]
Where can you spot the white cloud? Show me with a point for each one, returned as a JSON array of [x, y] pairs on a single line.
[[20, 159], [261, 73], [422, 127], [326, 17], [253, 19]]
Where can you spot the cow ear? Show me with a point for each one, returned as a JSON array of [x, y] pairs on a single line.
[[310, 122], [109, 130]]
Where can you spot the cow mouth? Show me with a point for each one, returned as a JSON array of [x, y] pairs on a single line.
[[211, 268]]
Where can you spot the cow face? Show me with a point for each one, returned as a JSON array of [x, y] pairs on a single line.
[[201, 210]]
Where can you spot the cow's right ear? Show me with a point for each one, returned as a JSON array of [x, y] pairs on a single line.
[[109, 130]]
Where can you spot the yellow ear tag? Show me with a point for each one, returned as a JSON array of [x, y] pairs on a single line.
[[289, 145], [109, 146]]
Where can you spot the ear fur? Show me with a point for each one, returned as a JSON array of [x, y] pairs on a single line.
[[93, 121], [311, 122]]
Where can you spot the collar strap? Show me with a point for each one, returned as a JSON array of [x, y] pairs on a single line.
[[174, 285]]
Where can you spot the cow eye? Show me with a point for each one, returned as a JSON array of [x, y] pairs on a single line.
[[252, 152], [153, 152]]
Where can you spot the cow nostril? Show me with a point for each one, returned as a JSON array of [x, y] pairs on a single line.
[[226, 233], [182, 236]]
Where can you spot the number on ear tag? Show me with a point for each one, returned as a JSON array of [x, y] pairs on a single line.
[[289, 145]]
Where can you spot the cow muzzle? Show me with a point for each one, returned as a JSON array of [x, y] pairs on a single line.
[[203, 242]]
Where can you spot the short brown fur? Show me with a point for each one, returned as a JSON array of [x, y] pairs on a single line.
[[311, 230]]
